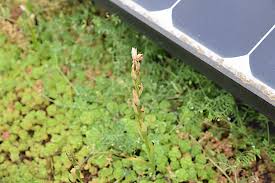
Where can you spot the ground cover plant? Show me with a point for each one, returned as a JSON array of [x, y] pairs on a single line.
[[66, 107]]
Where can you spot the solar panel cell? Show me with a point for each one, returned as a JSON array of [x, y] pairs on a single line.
[[230, 28], [262, 61]]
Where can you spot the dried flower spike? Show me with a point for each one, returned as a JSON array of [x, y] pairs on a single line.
[[135, 56], [138, 108], [134, 53]]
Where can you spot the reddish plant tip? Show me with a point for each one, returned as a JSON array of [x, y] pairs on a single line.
[[5, 135]]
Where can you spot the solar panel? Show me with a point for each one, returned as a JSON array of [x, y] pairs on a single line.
[[233, 41]]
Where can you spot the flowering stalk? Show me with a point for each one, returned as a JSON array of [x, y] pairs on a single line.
[[138, 108]]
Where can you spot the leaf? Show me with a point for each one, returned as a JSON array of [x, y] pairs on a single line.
[[174, 153]]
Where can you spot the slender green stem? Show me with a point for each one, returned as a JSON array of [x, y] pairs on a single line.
[[144, 136]]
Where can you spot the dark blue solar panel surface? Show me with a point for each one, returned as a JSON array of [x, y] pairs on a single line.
[[262, 60], [231, 28], [155, 5]]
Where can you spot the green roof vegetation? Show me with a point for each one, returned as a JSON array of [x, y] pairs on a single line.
[[66, 106]]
